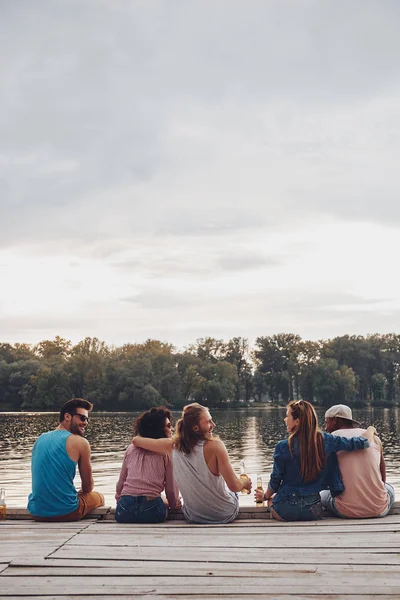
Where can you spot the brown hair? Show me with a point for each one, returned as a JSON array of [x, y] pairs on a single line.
[[70, 406], [341, 421], [185, 437], [310, 439], [151, 424]]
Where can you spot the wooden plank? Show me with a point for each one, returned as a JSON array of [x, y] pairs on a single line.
[[10, 551], [259, 526], [145, 569], [182, 525], [19, 512], [170, 566], [310, 583], [383, 540], [34, 537], [288, 530], [292, 596], [265, 522], [34, 526], [233, 555]]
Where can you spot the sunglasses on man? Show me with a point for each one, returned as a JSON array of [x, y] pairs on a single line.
[[83, 418]]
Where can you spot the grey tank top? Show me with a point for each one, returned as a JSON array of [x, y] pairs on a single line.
[[206, 497]]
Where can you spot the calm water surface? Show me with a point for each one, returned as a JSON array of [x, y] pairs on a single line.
[[249, 434]]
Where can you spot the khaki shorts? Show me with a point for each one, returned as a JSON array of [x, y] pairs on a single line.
[[87, 503]]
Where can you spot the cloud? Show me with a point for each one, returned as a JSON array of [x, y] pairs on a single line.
[[179, 154], [244, 263], [124, 121]]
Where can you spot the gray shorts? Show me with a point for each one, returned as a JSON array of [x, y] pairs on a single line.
[[328, 503]]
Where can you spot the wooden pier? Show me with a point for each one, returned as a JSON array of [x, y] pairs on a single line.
[[253, 557]]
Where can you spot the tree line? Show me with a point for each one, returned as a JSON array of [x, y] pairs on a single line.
[[356, 370]]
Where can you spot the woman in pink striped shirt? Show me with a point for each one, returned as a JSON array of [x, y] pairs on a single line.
[[145, 474]]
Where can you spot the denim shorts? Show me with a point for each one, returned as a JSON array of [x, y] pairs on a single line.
[[299, 508], [137, 509]]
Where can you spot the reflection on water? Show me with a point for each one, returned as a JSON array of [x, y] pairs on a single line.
[[249, 434]]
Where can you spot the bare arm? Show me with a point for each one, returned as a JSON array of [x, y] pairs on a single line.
[[121, 480], [171, 488], [260, 495], [234, 483], [160, 445], [85, 467], [382, 464]]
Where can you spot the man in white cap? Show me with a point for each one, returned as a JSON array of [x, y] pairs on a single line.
[[366, 493]]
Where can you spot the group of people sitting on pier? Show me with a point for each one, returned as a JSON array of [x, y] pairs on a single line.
[[342, 469]]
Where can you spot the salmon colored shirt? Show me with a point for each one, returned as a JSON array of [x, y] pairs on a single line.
[[146, 473], [364, 493]]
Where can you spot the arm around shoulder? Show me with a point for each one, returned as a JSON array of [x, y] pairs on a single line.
[[160, 445], [349, 444]]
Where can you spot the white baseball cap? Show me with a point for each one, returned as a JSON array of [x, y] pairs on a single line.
[[340, 411]]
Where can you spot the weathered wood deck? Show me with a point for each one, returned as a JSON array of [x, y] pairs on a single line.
[[257, 558]]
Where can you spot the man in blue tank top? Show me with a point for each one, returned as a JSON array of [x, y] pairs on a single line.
[[54, 459]]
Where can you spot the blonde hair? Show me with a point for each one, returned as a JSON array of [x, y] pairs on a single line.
[[310, 440], [185, 437]]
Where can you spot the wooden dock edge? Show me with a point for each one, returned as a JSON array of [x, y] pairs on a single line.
[[106, 513]]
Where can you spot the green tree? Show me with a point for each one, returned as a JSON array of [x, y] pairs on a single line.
[[237, 352], [346, 385], [326, 381], [378, 386], [208, 350], [219, 383], [278, 358], [58, 347]]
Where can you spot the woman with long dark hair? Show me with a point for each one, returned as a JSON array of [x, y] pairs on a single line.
[[300, 464], [145, 474]]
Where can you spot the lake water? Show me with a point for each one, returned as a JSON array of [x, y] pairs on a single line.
[[249, 434]]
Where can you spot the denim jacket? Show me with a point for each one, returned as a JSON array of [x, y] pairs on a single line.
[[286, 476]]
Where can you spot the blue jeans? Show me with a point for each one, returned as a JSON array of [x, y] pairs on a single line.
[[137, 509], [329, 503], [299, 508]]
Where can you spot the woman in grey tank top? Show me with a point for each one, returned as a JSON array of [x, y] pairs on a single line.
[[202, 469]]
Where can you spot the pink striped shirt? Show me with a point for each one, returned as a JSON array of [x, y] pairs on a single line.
[[146, 473]]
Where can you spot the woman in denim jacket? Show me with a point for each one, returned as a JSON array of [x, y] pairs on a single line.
[[300, 464]]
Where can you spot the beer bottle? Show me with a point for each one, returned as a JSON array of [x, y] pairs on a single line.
[[243, 475], [260, 489], [2, 504]]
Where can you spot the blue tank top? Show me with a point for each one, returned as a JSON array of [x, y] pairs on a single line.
[[53, 471]]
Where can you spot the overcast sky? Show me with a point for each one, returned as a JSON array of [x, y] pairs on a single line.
[[184, 168]]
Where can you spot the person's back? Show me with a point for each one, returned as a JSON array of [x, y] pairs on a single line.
[[300, 469], [206, 496], [53, 471], [364, 493], [145, 474], [54, 459], [202, 468]]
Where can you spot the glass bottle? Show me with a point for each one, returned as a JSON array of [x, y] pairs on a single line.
[[260, 489], [243, 475], [2, 504]]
